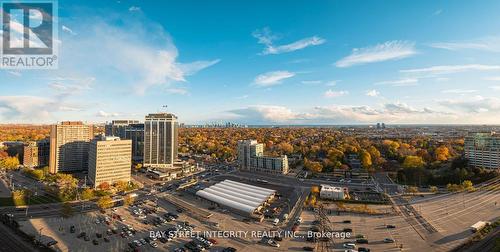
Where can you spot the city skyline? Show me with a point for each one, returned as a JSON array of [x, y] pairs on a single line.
[[269, 63]]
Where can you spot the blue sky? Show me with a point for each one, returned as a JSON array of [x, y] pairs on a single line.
[[267, 62]]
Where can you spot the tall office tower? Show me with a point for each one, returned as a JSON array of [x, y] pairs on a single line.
[[109, 160], [251, 158], [483, 150], [36, 153], [135, 132], [69, 146], [118, 127], [160, 140]]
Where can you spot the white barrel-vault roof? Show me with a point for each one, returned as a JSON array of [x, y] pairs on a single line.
[[236, 195]]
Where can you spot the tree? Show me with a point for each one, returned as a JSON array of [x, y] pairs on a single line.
[[105, 202], [366, 159], [467, 185], [66, 210], [9, 163], [87, 194], [433, 189], [442, 153], [103, 186], [412, 189], [121, 186], [128, 200], [413, 162], [313, 166], [286, 148]]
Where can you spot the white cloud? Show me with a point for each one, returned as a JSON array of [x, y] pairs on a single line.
[[399, 83], [449, 69], [311, 82], [136, 55], [332, 83], [272, 78], [34, 109], [474, 104], [15, 73], [266, 113], [490, 44], [68, 30], [339, 114], [496, 88], [459, 91], [437, 12], [134, 8], [266, 38], [332, 94], [390, 50], [179, 91], [106, 114], [372, 93], [494, 78]]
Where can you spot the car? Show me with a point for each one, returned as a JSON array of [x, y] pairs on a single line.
[[109, 232], [82, 234], [389, 240], [308, 248], [314, 229], [51, 243], [95, 242], [213, 241], [179, 210], [179, 250], [131, 245], [98, 235], [273, 243], [299, 220], [346, 221], [153, 244], [361, 249], [114, 230], [72, 229], [106, 239], [143, 242], [316, 222], [348, 230], [362, 241], [229, 249], [360, 236], [86, 238], [391, 226], [349, 245]]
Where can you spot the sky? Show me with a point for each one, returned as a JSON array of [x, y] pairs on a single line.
[[267, 62]]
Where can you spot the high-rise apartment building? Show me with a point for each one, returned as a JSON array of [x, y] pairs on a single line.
[[69, 146], [109, 160], [36, 153], [160, 140], [135, 132], [483, 150], [251, 158], [118, 127]]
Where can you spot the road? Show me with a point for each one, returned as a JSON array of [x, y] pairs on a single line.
[[9, 241]]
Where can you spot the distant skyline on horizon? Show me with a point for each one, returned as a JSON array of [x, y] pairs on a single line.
[[267, 63]]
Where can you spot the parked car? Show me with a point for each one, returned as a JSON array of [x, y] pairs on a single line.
[[349, 245], [362, 241], [95, 242], [347, 221], [361, 249], [391, 226], [308, 248], [82, 234], [72, 229], [389, 240]]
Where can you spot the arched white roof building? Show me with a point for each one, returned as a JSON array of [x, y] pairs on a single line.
[[239, 196]]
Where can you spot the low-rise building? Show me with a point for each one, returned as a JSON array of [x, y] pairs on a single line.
[[110, 160], [251, 158], [333, 193], [36, 153], [483, 150]]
